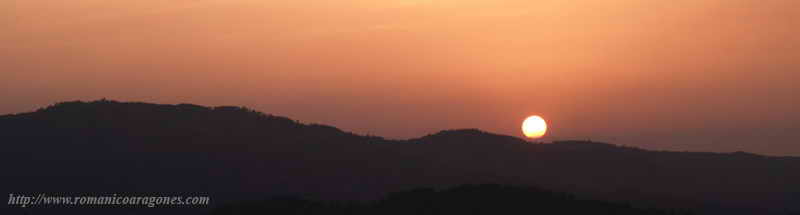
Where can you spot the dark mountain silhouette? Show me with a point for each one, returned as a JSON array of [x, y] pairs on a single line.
[[234, 153], [486, 199]]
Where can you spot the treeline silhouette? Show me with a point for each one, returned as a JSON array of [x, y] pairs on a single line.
[[235, 153], [488, 199]]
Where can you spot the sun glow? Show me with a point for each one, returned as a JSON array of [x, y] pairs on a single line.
[[534, 127]]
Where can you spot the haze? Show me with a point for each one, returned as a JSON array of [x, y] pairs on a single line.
[[694, 75]]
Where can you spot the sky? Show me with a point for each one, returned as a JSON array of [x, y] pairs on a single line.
[[683, 75]]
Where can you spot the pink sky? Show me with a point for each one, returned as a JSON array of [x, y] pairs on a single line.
[[697, 75]]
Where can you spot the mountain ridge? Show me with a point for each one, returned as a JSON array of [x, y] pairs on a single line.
[[104, 146], [105, 106]]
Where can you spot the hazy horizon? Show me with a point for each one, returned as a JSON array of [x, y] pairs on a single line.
[[713, 75]]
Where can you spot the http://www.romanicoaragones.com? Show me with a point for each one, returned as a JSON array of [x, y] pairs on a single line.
[[113, 200]]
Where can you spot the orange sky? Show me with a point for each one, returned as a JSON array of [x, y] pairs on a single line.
[[698, 75]]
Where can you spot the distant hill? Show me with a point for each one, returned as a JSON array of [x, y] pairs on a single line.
[[236, 153]]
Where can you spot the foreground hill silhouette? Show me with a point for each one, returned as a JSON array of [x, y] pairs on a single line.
[[234, 153], [488, 199]]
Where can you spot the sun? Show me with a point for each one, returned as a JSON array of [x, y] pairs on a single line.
[[534, 127]]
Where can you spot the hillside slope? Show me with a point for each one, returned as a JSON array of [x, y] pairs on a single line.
[[109, 146]]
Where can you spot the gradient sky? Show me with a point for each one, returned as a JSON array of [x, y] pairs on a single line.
[[696, 75]]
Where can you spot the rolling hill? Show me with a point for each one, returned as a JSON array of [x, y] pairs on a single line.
[[234, 153]]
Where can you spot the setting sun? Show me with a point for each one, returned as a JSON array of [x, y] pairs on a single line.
[[534, 127]]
